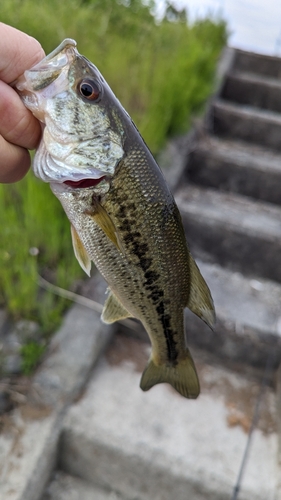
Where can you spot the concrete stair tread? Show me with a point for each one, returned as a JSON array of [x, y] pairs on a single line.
[[236, 166], [255, 78], [246, 301], [243, 153], [248, 111], [239, 212], [249, 123], [159, 445], [258, 91], [257, 63], [248, 327], [232, 230], [66, 487]]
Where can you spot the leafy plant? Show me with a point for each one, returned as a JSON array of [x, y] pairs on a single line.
[[31, 353]]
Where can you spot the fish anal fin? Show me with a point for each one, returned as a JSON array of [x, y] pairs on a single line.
[[113, 310], [104, 221], [80, 252], [200, 301], [182, 376]]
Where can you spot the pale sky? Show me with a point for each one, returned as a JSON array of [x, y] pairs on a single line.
[[254, 25]]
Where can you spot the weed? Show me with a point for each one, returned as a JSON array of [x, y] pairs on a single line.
[[31, 353]]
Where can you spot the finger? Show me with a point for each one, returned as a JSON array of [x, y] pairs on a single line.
[[14, 162], [19, 52], [17, 124]]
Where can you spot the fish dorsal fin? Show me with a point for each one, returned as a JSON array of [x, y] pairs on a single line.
[[80, 251], [113, 310], [200, 301], [103, 219]]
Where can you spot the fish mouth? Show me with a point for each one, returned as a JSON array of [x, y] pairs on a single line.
[[84, 183], [47, 78]]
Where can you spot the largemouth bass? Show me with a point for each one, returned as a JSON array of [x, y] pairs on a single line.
[[123, 216]]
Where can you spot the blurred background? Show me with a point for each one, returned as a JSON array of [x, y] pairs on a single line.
[[253, 25]]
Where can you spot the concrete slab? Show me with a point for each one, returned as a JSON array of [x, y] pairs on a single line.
[[248, 327], [278, 408], [28, 445], [65, 487], [234, 230], [29, 438], [246, 123], [71, 355], [236, 167], [257, 63], [251, 302], [159, 445], [254, 90]]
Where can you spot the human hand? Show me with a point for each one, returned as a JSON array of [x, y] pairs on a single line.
[[19, 129]]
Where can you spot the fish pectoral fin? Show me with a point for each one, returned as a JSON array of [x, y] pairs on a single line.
[[182, 376], [113, 310], [80, 251], [103, 219], [200, 301]]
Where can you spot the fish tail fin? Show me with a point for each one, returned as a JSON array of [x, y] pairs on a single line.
[[182, 376]]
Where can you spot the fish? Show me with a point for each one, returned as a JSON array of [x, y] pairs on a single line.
[[123, 216]]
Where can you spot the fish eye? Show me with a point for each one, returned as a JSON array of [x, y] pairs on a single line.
[[89, 89]]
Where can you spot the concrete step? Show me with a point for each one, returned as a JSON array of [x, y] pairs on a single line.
[[66, 487], [29, 435], [232, 230], [257, 63], [248, 326], [159, 445], [245, 122], [253, 90], [237, 167]]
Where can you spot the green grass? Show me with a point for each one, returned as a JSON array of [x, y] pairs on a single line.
[[31, 353], [31, 217], [162, 73]]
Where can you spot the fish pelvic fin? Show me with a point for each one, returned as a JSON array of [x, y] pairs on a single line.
[[80, 252], [103, 219], [200, 300], [113, 310], [182, 376]]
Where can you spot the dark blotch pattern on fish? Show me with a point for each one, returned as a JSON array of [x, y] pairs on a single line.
[[141, 251]]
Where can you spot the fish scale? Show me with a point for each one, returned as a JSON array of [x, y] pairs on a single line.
[[123, 216]]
